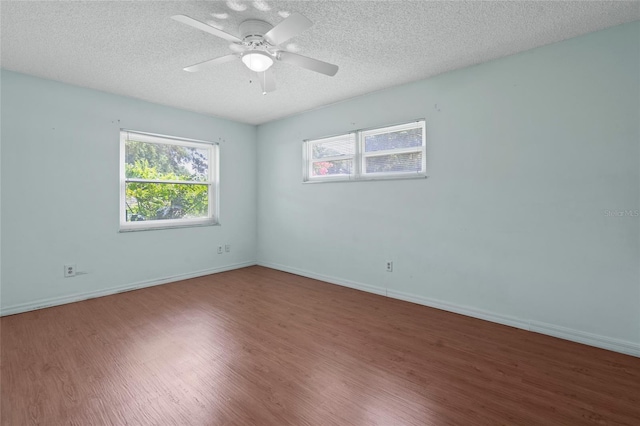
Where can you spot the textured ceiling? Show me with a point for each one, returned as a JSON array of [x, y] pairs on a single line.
[[133, 48]]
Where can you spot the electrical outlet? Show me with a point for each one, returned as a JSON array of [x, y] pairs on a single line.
[[219, 249], [389, 266], [227, 248], [70, 270]]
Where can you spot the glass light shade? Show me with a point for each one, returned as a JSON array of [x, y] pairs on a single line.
[[257, 61]]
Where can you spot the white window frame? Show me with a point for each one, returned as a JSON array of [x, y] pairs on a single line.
[[308, 159], [390, 129], [360, 156], [212, 182]]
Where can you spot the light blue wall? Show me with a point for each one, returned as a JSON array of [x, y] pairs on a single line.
[[525, 155], [60, 191]]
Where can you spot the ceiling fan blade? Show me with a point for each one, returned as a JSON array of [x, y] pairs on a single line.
[[290, 27], [210, 63], [204, 27], [308, 63], [267, 81]]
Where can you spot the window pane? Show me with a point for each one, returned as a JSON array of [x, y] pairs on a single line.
[[394, 163], [393, 140], [156, 201], [335, 167], [333, 147], [159, 161]]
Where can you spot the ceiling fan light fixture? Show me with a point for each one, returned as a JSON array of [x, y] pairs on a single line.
[[257, 60]]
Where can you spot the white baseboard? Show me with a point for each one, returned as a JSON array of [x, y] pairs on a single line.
[[583, 337], [461, 309], [599, 341], [55, 301], [326, 278]]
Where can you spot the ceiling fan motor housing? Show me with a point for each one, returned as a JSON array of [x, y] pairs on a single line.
[[254, 29]]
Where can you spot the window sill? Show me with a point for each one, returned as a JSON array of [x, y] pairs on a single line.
[[130, 227], [366, 179]]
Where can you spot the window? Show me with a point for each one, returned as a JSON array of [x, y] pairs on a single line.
[[332, 158], [383, 153], [166, 182]]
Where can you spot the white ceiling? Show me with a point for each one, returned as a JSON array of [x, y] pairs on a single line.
[[133, 48]]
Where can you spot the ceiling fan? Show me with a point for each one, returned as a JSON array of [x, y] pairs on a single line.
[[259, 47]]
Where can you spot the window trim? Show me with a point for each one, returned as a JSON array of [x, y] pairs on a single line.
[[213, 183], [360, 155]]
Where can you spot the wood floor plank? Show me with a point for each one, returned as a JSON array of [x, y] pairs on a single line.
[[262, 347]]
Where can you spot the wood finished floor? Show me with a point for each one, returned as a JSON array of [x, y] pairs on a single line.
[[261, 347]]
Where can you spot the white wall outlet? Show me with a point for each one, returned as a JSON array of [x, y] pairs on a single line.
[[69, 270], [389, 266], [227, 248], [219, 249]]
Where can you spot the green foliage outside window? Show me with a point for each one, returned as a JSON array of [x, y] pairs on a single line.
[[161, 162]]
